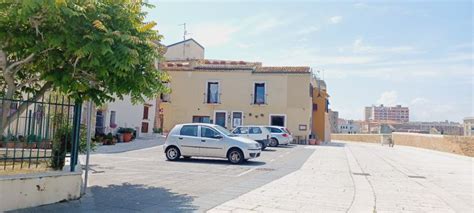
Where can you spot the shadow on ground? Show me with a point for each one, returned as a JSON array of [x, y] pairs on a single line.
[[130, 146], [218, 161], [285, 146], [124, 198]]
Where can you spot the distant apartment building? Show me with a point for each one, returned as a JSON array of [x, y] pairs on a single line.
[[468, 126], [232, 93], [383, 113]]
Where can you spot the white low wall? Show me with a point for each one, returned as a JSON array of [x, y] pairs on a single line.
[[30, 190]]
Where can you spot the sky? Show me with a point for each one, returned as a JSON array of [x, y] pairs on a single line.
[[414, 53]]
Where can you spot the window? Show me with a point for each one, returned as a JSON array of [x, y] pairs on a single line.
[[274, 130], [212, 92], [189, 130], [315, 107], [255, 130], [259, 93], [207, 132], [144, 127], [112, 118], [277, 120], [220, 118], [145, 112], [236, 119], [241, 130], [201, 119]]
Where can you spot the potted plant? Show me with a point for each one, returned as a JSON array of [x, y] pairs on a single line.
[[108, 140], [126, 133], [114, 140]]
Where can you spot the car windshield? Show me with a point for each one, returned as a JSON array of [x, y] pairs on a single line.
[[225, 131]]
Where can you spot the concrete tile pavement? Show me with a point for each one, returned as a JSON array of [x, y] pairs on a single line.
[[356, 177]]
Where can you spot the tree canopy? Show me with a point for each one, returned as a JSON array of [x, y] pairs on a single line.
[[88, 49]]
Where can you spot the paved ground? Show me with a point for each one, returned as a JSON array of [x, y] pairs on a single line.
[[357, 177], [142, 180]]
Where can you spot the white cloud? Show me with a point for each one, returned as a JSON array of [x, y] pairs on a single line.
[[243, 45], [335, 19], [213, 34], [422, 109], [358, 46], [298, 56], [217, 33], [307, 30], [388, 98]]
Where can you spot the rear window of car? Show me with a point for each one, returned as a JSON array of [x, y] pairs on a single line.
[[255, 130], [189, 130]]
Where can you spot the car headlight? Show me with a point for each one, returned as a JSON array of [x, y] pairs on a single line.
[[254, 146]]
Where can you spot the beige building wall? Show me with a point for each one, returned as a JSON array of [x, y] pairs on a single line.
[[184, 50], [287, 94]]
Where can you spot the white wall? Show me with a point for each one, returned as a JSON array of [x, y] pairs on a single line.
[[130, 115], [30, 190], [191, 51]]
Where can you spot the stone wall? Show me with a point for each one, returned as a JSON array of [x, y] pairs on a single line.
[[368, 138], [453, 144]]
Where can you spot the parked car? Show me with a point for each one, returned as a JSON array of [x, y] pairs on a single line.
[[208, 140], [256, 133], [279, 136]]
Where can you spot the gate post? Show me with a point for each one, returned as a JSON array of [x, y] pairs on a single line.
[[76, 128]]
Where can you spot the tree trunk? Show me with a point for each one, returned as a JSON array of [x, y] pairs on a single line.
[[8, 119], [6, 100]]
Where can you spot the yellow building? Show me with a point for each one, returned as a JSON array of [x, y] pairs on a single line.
[[232, 93], [320, 117]]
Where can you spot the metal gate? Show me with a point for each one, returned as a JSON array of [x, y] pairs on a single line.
[[38, 134]]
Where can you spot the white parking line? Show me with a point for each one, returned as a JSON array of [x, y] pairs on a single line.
[[248, 171]]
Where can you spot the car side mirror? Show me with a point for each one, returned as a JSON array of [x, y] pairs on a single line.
[[218, 136]]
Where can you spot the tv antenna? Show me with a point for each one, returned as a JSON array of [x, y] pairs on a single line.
[[185, 32]]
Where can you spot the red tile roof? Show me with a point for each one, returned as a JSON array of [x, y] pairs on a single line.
[[283, 69], [223, 65]]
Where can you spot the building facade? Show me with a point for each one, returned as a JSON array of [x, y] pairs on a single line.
[[468, 124], [348, 126], [232, 93], [333, 121], [442, 128], [188, 49], [321, 127], [122, 113], [384, 113]]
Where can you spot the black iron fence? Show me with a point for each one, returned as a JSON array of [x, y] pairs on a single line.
[[39, 133]]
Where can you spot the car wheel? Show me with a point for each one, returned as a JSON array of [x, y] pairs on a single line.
[[235, 156], [273, 142], [172, 153]]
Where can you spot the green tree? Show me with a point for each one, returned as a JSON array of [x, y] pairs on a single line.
[[87, 49]]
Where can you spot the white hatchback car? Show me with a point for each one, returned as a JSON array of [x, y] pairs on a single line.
[[208, 140], [256, 133], [280, 136]]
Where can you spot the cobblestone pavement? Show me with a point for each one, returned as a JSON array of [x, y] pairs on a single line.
[[358, 177], [143, 181]]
